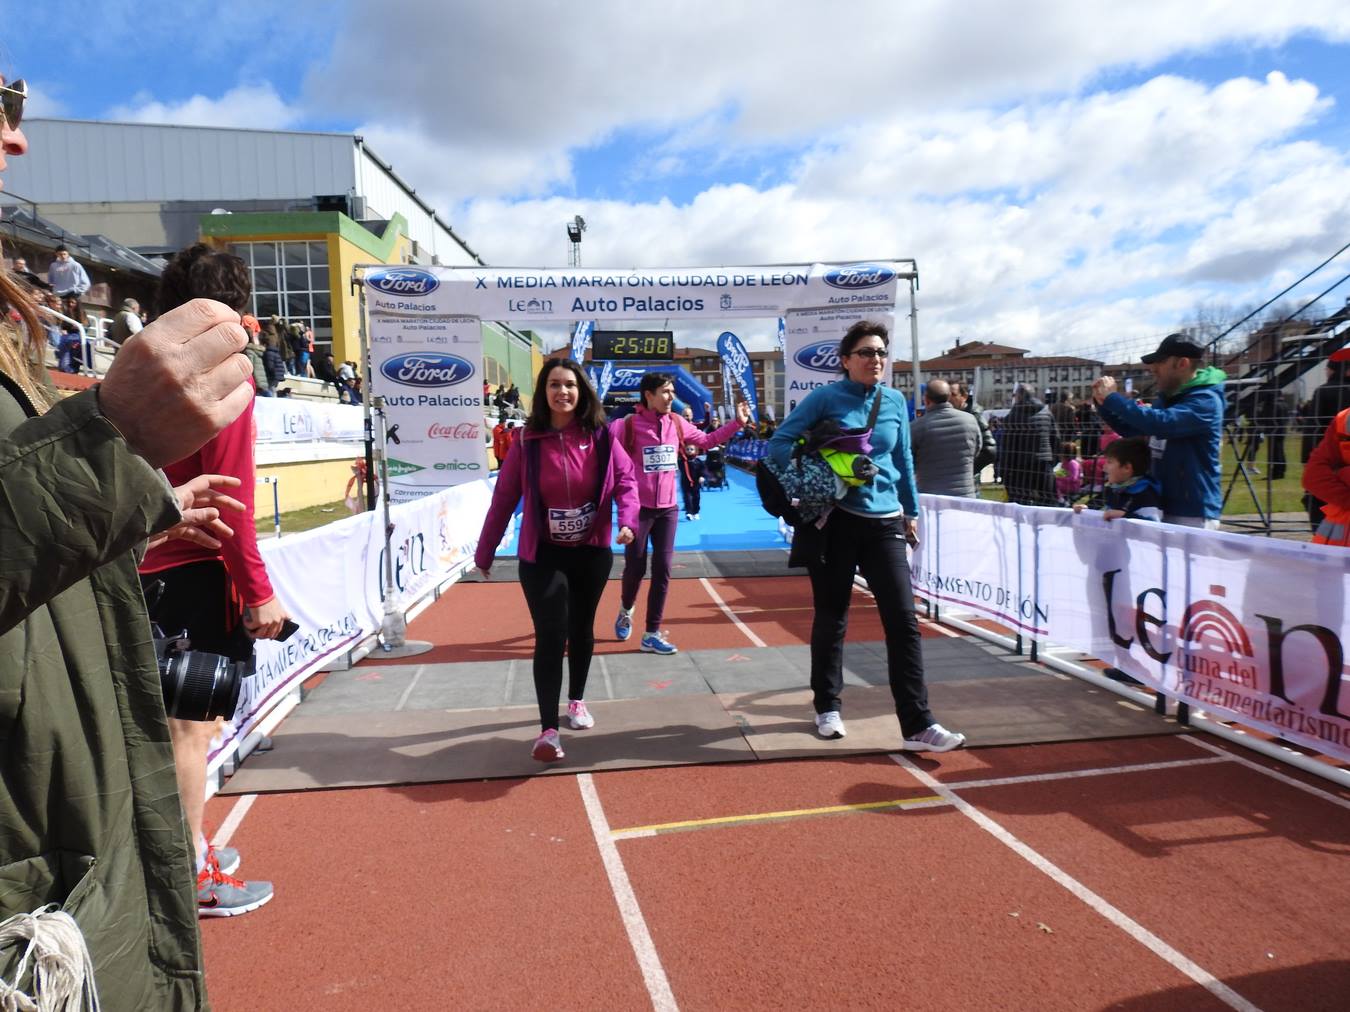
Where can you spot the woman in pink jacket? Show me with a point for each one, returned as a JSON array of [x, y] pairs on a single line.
[[572, 474], [653, 437]]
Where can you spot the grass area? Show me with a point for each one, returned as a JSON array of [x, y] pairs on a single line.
[[297, 520]]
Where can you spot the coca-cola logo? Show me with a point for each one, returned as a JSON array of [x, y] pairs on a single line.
[[461, 430]]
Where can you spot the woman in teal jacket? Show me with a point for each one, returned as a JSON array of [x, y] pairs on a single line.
[[867, 530]]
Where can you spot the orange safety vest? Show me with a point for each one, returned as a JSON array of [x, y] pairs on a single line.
[[1335, 526]]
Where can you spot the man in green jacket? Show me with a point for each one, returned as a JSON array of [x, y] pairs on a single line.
[[90, 819]]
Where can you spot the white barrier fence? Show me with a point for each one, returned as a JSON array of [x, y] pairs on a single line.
[[288, 420], [1248, 629], [330, 580]]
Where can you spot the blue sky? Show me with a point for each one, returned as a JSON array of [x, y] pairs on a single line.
[[1071, 177]]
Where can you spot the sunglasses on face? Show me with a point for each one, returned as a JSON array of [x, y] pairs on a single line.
[[12, 98], [869, 352]]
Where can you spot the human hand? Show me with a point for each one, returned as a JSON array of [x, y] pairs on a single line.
[[264, 622], [1102, 388], [179, 381], [1078, 507], [912, 533], [625, 536], [1112, 514], [201, 504], [743, 412]]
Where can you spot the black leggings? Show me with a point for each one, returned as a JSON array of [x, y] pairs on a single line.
[[562, 588], [876, 547]]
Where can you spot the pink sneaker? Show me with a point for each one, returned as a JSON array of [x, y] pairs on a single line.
[[548, 747], [579, 716]]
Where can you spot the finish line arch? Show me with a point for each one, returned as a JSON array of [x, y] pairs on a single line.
[[422, 344]]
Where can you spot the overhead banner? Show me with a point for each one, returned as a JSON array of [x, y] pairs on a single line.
[[736, 364], [429, 371], [577, 294], [1248, 629], [811, 358]]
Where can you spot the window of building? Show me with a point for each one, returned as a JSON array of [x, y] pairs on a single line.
[[290, 280]]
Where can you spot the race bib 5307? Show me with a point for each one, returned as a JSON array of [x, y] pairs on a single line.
[[661, 457]]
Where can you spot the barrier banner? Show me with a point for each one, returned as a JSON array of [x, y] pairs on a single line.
[[736, 364], [288, 420], [314, 575], [1249, 629], [429, 371], [811, 358], [578, 294]]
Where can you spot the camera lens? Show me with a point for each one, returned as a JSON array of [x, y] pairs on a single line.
[[200, 686]]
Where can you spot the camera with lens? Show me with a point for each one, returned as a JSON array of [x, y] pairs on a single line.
[[197, 685]]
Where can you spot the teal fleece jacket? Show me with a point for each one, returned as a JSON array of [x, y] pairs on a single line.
[[893, 489]]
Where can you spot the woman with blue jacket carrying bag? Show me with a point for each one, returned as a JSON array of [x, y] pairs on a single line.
[[867, 529]]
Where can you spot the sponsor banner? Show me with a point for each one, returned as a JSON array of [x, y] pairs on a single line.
[[433, 401], [579, 294], [606, 380], [782, 334], [581, 339], [433, 540], [736, 364], [811, 358], [286, 420], [1247, 629]]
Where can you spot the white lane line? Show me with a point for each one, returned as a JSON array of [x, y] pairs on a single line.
[[417, 676], [510, 680], [231, 824], [604, 674], [1101, 771], [1127, 924], [658, 987], [749, 633], [1232, 757]]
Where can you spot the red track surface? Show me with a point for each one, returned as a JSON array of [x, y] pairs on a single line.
[[495, 894]]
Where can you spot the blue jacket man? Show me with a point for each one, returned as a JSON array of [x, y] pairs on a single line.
[[1184, 426]]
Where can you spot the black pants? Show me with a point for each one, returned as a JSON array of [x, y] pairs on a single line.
[[199, 598], [877, 547], [562, 588], [693, 491]]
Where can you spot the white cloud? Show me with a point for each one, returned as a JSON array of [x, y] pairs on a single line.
[[256, 107]]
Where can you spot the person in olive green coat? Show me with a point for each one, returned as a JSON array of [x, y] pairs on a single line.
[[90, 819]]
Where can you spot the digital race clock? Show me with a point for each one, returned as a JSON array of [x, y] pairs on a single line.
[[632, 345]]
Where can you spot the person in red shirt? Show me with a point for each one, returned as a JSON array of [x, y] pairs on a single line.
[[221, 597]]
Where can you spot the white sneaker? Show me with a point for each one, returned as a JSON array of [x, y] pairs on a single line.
[[548, 747], [830, 724], [578, 715], [934, 738]]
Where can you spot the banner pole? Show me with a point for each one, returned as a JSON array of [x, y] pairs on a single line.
[[914, 334], [364, 345], [393, 630]]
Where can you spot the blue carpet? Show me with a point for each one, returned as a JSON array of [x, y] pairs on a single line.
[[731, 519]]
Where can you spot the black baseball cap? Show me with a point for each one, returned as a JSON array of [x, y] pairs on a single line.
[[1173, 346]]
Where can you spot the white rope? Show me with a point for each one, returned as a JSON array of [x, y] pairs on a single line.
[[63, 973]]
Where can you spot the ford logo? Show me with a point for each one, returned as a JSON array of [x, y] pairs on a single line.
[[856, 276], [823, 356], [427, 369], [403, 281]]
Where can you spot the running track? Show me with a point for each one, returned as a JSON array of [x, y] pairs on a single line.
[[1174, 872]]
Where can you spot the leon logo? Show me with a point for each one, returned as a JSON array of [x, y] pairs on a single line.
[[427, 369], [398, 468], [856, 276], [406, 281], [823, 356], [1214, 643]]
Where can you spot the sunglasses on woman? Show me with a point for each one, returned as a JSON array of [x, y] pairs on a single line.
[[12, 98], [869, 352]]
